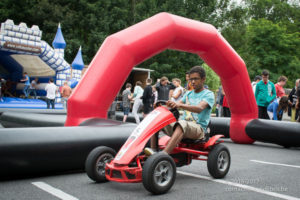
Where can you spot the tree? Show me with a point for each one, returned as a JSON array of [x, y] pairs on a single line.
[[270, 46], [212, 79]]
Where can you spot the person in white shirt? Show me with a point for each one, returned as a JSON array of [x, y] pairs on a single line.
[[137, 94], [178, 92], [255, 81], [51, 90]]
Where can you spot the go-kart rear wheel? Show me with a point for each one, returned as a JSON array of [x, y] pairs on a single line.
[[96, 161], [218, 162], [159, 173]]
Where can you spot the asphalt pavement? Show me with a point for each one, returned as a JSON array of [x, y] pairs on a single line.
[[258, 171]]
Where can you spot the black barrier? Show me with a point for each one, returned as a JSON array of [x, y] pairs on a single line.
[[283, 133], [12, 119], [29, 151], [219, 125]]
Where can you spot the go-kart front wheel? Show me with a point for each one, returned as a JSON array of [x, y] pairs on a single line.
[[218, 162], [96, 161], [159, 173]]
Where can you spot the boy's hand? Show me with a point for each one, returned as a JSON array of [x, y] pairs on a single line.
[[171, 104]]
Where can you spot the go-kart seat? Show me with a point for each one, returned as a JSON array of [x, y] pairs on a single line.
[[203, 140]]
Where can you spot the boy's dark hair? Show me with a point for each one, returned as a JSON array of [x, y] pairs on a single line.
[[163, 79], [149, 80], [128, 85], [257, 78], [282, 78], [51, 80], [199, 70], [265, 72], [139, 83]]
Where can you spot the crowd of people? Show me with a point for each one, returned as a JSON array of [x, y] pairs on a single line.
[[162, 90], [272, 100]]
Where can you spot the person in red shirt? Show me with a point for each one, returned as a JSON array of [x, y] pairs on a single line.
[[65, 93], [226, 109], [279, 86]]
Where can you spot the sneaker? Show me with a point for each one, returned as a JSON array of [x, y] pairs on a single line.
[[148, 151]]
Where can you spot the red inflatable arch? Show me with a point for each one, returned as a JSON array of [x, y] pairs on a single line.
[[122, 51]]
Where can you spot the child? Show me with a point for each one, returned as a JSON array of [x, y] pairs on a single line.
[[277, 107], [126, 97]]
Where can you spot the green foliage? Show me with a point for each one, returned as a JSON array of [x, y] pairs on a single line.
[[212, 79], [270, 46]]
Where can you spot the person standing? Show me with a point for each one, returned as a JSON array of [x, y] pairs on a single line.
[[225, 106], [126, 97], [163, 89], [219, 101], [178, 92], [26, 81], [292, 102], [155, 94], [255, 81], [66, 92], [33, 87], [298, 101], [279, 86], [148, 97], [137, 94], [188, 84], [51, 90], [265, 93]]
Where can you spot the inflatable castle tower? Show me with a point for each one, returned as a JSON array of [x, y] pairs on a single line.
[[59, 46], [77, 66]]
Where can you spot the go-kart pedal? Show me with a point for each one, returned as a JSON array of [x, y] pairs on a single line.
[[149, 151]]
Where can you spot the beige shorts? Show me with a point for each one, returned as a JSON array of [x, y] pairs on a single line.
[[190, 129]]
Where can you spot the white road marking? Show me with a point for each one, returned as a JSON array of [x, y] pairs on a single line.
[[279, 164], [246, 187], [55, 192]]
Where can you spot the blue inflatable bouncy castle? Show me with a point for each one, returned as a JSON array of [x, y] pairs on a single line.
[[22, 50]]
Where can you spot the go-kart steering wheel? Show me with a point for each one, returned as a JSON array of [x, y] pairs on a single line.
[[174, 111], [160, 103]]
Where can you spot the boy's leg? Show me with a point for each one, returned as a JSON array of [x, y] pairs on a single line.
[[175, 139], [135, 109], [34, 93], [48, 103], [124, 118], [53, 103]]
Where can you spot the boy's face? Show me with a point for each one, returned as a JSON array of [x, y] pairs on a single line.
[[175, 83], [197, 81], [187, 77], [282, 83], [165, 82], [265, 78]]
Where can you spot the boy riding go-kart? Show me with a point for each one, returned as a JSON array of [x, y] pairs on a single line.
[[189, 140]]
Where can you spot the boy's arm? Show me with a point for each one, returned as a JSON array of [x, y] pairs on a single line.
[[195, 109], [256, 91]]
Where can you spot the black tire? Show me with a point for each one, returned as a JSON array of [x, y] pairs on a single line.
[[218, 162], [95, 163], [165, 176]]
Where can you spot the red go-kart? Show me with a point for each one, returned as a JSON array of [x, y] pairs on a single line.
[[157, 171]]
